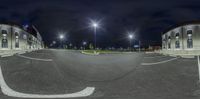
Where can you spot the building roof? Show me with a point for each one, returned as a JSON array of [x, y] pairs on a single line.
[[30, 29], [181, 24]]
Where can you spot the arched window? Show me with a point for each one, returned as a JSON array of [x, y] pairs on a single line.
[[29, 41], [177, 42], [189, 39], [164, 43], [169, 42], [4, 39], [16, 40], [24, 36]]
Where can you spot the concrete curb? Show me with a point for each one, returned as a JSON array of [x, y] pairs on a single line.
[[89, 53], [150, 52], [7, 55]]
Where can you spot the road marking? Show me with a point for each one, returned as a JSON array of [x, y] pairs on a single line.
[[12, 93], [39, 59], [155, 56], [198, 65], [83, 52], [159, 62], [21, 52]]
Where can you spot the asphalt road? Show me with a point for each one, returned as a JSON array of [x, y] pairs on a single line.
[[114, 76]]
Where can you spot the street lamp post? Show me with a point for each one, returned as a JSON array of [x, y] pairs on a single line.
[[84, 44], [61, 40], [130, 39], [95, 25]]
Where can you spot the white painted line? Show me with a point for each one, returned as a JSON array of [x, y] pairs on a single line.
[[155, 56], [198, 66], [21, 52], [12, 93], [7, 55], [149, 52], [89, 53], [39, 59], [159, 62]]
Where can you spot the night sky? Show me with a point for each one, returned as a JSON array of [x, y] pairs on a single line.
[[146, 18]]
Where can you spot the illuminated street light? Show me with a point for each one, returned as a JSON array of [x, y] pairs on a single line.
[[130, 36], [61, 36], [54, 42], [84, 44], [130, 39], [95, 25]]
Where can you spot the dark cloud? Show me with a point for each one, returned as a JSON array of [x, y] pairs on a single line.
[[148, 17]]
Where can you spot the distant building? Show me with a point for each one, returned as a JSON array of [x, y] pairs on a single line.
[[183, 39], [15, 38]]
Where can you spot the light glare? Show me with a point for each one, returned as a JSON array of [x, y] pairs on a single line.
[[61, 36], [130, 36], [84, 43], [95, 24]]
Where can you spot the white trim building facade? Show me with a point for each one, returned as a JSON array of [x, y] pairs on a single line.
[[15, 38], [182, 40]]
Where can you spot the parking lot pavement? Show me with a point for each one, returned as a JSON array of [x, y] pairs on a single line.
[[114, 76], [178, 78], [31, 76]]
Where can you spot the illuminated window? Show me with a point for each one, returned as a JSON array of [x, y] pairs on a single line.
[[4, 39], [189, 39], [177, 42]]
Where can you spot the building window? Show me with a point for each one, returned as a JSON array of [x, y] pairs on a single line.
[[169, 42], [24, 36], [29, 41], [16, 40], [189, 39], [164, 45], [4, 39], [177, 42]]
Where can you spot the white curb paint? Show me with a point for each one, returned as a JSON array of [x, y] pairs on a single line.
[[7, 55], [198, 66], [21, 52], [149, 52], [39, 59], [10, 92], [159, 62], [89, 53]]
